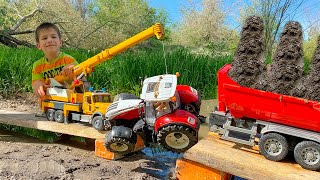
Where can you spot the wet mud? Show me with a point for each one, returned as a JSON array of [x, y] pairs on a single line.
[[309, 88], [248, 63], [23, 157], [287, 64], [285, 75]]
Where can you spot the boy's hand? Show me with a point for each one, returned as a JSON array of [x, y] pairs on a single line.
[[39, 88], [67, 71]]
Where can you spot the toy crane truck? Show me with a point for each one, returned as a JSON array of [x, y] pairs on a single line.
[[68, 103], [276, 123]]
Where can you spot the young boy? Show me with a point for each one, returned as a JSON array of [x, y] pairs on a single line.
[[54, 62]]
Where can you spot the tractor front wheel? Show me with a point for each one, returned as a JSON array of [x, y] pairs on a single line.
[[119, 145], [177, 138]]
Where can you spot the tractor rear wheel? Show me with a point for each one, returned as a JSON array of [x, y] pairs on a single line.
[[119, 145], [273, 146], [177, 138], [307, 154]]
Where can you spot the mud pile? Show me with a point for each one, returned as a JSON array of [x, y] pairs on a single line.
[[248, 63], [310, 85], [287, 64], [285, 74]]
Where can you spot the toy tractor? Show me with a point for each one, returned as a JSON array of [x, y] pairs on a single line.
[[157, 117]]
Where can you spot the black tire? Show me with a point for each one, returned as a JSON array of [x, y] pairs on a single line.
[[97, 123], [177, 138], [58, 116], [273, 146], [50, 114], [119, 145], [124, 96], [307, 154]]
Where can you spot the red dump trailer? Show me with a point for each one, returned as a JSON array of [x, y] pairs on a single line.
[[276, 123]]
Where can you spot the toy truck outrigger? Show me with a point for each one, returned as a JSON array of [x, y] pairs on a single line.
[[62, 104], [277, 123]]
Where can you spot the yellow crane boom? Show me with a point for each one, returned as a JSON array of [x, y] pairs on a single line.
[[86, 67]]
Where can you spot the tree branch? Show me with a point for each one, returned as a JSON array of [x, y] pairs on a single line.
[[23, 19]]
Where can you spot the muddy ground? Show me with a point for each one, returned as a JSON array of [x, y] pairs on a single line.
[[23, 157]]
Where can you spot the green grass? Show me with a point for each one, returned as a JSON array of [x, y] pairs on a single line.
[[121, 73], [43, 135]]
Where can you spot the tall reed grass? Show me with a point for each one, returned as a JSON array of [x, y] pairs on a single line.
[[120, 74]]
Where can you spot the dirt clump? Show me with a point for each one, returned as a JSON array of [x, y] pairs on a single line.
[[310, 85], [286, 71], [248, 63], [287, 64]]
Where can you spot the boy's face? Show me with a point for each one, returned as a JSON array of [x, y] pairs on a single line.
[[49, 41]]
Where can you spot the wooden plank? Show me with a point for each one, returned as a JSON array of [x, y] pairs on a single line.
[[186, 170], [29, 120], [228, 157]]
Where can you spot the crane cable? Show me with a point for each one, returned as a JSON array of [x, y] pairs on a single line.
[[164, 56]]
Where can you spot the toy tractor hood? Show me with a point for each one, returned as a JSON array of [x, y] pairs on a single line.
[[159, 88]]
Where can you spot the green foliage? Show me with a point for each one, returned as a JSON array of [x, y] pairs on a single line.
[[15, 69], [121, 73]]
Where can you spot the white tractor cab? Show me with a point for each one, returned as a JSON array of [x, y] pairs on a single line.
[[156, 117]]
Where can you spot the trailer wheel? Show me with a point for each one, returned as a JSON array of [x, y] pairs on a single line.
[[119, 145], [307, 154], [273, 146], [97, 123], [50, 114], [58, 116], [177, 138]]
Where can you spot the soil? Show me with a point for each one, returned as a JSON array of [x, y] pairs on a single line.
[[310, 88], [25, 157], [285, 74], [248, 63], [287, 64]]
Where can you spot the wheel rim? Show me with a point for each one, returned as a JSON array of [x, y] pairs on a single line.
[[97, 123], [310, 155], [177, 140], [119, 147], [50, 115], [58, 116], [273, 147]]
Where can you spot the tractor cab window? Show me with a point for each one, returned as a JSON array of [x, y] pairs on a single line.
[[101, 98], [151, 87]]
